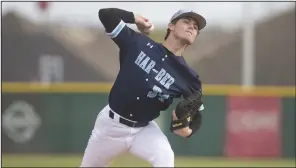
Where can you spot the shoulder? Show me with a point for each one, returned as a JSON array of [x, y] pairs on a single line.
[[193, 71], [148, 39], [145, 40], [190, 69]]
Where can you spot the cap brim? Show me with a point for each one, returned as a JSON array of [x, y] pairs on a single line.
[[200, 20]]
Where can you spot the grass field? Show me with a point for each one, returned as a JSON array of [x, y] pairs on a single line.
[[131, 161]]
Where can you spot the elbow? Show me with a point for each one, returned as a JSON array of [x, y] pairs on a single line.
[[103, 13]]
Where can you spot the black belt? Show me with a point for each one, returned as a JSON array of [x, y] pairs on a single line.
[[127, 122]]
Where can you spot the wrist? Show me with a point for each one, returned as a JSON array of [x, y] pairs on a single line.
[[189, 135], [184, 132], [136, 18]]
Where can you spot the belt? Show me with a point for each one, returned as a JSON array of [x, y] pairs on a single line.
[[127, 122]]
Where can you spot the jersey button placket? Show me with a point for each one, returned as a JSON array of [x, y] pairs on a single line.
[[165, 57], [131, 113]]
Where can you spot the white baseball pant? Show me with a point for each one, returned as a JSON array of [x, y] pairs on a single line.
[[110, 138]]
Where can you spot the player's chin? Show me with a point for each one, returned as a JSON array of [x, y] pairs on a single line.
[[188, 41]]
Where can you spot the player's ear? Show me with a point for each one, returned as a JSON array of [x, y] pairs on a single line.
[[171, 26]]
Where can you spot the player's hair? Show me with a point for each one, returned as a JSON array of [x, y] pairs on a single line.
[[168, 30], [167, 34]]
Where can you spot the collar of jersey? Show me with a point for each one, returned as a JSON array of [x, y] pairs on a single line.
[[168, 52]]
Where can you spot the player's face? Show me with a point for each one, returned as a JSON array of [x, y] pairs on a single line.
[[185, 29]]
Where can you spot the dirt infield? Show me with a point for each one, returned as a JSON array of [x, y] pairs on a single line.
[[131, 161]]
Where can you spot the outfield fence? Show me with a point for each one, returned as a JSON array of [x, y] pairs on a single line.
[[58, 118]]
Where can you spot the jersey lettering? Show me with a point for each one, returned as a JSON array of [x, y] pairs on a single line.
[[169, 82], [143, 62], [140, 57], [164, 78], [150, 66], [160, 74], [156, 91]]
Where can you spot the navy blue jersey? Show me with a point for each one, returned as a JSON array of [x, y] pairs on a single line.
[[150, 76]]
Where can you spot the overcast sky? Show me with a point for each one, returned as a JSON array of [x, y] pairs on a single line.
[[228, 14]]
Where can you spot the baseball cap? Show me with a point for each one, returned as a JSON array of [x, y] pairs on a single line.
[[200, 20]]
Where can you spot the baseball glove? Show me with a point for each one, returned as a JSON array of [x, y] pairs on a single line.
[[188, 113]]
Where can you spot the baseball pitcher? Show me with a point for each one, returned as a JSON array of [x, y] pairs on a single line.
[[151, 75]]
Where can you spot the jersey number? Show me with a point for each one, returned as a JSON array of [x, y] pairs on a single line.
[[156, 91]]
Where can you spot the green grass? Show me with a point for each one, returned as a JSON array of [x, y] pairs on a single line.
[[131, 161]]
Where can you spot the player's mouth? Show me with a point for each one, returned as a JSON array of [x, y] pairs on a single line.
[[189, 32]]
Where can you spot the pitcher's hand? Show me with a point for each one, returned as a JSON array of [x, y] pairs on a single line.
[[143, 24], [184, 132]]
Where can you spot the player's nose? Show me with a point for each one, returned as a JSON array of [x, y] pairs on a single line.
[[191, 26]]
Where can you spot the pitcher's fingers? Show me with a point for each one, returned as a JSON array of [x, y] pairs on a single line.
[[147, 24], [145, 19]]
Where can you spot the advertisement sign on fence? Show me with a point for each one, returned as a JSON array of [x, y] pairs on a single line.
[[253, 126], [20, 121]]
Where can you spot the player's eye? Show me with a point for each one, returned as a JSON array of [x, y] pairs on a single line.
[[186, 20], [195, 27]]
